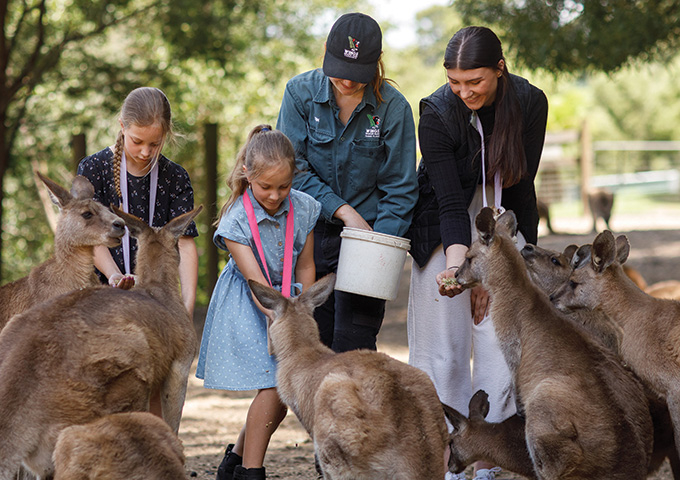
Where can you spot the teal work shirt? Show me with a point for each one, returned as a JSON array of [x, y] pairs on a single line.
[[370, 163]]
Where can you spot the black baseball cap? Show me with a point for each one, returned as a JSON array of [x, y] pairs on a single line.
[[353, 48]]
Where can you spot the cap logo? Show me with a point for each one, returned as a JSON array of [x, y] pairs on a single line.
[[353, 50]]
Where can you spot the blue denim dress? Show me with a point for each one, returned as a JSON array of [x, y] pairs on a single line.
[[233, 354]]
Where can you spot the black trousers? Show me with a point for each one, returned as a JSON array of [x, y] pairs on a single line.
[[347, 321]]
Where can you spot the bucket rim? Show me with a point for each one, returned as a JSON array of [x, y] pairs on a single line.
[[376, 237]]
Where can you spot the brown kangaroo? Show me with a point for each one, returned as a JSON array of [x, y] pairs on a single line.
[[83, 223], [96, 351], [371, 417], [650, 342], [131, 446], [550, 270], [474, 439], [586, 416]]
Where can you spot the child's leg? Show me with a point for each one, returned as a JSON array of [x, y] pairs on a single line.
[[264, 416]]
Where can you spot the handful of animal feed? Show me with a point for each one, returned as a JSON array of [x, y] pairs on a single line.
[[450, 282]]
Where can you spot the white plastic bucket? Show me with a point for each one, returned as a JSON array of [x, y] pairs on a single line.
[[370, 263]]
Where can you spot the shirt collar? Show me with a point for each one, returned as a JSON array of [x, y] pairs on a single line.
[[323, 95], [261, 214]]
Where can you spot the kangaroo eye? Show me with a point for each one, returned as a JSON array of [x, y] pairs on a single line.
[[87, 215], [555, 261]]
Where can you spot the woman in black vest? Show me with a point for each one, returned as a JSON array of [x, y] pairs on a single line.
[[458, 175]]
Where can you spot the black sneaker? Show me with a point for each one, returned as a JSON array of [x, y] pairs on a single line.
[[226, 469], [241, 473]]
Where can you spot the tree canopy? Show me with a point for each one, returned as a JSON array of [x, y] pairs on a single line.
[[577, 35]]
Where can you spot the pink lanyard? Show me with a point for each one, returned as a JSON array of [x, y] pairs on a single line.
[[288, 248]]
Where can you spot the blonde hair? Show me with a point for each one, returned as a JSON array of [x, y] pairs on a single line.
[[265, 149], [142, 107]]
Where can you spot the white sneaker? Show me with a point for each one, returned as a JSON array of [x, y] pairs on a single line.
[[455, 476], [487, 473]]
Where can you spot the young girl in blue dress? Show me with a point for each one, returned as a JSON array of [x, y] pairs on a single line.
[[254, 226]]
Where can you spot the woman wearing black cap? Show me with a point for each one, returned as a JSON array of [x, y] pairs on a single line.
[[481, 135], [354, 137]]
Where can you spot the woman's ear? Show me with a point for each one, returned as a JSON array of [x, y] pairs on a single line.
[[501, 67]]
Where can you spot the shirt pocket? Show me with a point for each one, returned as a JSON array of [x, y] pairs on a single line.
[[319, 151], [366, 158]]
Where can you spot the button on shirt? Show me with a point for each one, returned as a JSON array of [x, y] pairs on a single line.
[[370, 163]]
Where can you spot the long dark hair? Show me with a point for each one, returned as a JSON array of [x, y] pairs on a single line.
[[477, 47]]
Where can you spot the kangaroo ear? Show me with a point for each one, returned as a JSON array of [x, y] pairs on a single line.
[[135, 225], [569, 251], [269, 297], [507, 223], [179, 224], [479, 405], [458, 421], [319, 291], [622, 249], [485, 224], [58, 194], [81, 188], [581, 256], [603, 251]]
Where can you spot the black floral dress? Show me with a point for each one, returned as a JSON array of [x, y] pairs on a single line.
[[174, 196]]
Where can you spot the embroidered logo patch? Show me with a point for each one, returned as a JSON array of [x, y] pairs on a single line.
[[353, 50], [374, 130]]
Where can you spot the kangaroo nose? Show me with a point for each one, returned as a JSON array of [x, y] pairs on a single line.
[[528, 250]]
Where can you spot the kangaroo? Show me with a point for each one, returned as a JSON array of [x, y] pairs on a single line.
[[474, 439], [669, 289], [83, 223], [133, 446], [650, 342], [586, 416], [96, 351], [371, 417], [550, 270], [601, 203]]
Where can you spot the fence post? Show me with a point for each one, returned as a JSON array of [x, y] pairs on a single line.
[[587, 160], [210, 139]]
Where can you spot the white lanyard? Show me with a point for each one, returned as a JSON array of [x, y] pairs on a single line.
[[497, 186], [124, 193]]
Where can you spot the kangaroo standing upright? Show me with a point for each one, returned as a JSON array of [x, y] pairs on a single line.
[[650, 341], [96, 351], [371, 417], [587, 417]]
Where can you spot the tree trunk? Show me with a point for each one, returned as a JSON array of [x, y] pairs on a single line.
[[210, 137]]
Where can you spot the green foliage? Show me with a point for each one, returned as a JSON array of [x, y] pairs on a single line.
[[576, 35]]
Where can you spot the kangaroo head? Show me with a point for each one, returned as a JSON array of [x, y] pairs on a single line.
[[548, 269], [157, 246], [83, 222], [460, 438], [491, 233], [292, 312], [592, 265]]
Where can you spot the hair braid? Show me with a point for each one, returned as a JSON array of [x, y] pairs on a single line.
[[117, 156]]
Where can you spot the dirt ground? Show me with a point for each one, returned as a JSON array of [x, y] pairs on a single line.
[[213, 418]]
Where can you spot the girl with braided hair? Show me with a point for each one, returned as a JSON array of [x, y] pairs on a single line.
[[134, 175]]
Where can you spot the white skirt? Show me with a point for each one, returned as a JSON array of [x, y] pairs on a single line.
[[459, 357]]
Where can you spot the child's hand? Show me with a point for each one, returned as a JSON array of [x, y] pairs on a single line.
[[125, 282]]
